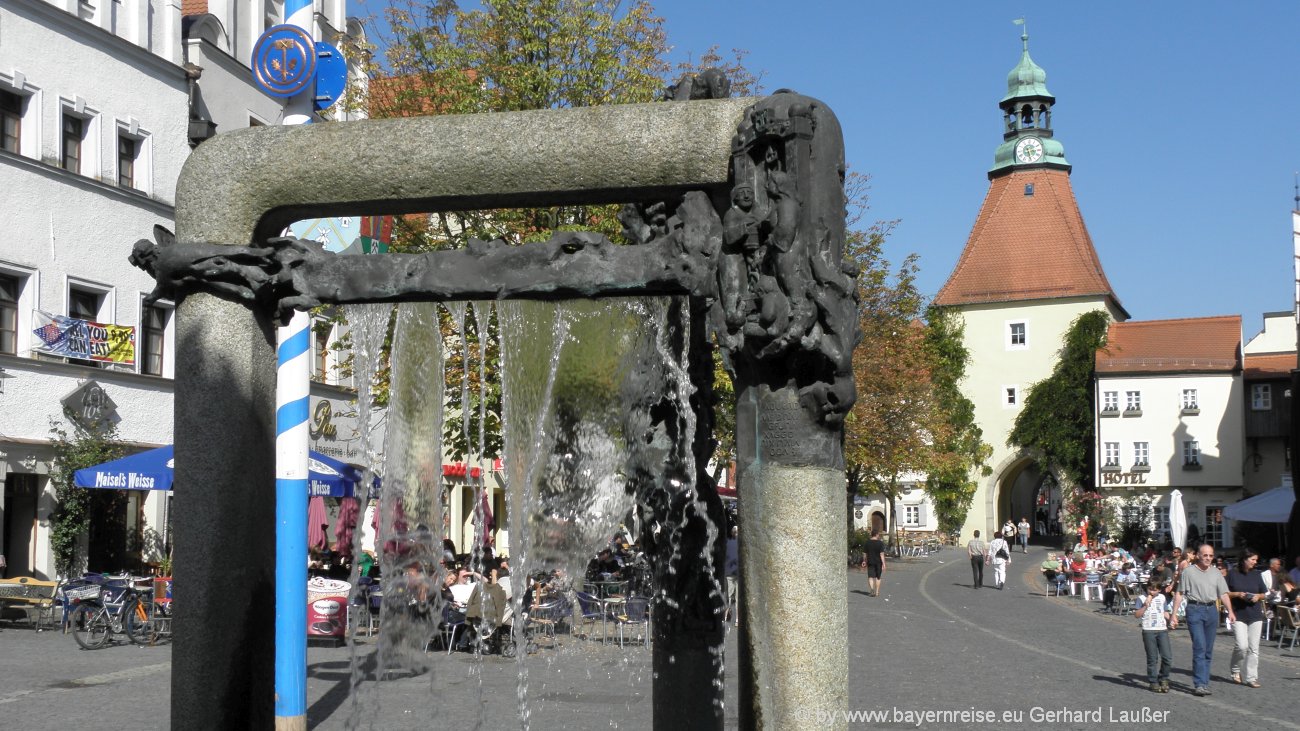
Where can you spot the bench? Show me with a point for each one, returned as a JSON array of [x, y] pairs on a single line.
[[33, 597]]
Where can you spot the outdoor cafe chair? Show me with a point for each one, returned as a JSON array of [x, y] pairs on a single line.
[[453, 624], [635, 613], [1288, 624], [590, 611], [1123, 598], [1092, 585], [1056, 580], [545, 618]]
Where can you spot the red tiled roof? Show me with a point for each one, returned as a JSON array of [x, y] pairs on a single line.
[[1192, 345], [1273, 365], [1027, 247], [194, 7]]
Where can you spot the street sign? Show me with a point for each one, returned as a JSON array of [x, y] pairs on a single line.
[[284, 61], [331, 75]]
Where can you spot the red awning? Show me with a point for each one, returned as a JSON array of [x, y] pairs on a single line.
[[460, 469]]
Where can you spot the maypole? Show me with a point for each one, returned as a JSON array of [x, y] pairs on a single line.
[[284, 62]]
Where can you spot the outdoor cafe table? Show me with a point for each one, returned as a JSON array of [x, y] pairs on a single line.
[[603, 589]]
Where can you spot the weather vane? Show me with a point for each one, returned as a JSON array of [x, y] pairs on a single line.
[[1024, 34]]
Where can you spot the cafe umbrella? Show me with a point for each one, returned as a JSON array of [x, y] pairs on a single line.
[[1177, 519]]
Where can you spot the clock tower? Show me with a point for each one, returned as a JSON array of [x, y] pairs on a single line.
[[1027, 272], [1027, 113]]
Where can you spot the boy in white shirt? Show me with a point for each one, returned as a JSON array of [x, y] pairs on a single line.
[[1153, 610]]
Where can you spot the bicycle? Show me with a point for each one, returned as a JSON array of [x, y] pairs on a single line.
[[105, 608]]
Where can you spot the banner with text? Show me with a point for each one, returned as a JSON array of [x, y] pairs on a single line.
[[68, 337]]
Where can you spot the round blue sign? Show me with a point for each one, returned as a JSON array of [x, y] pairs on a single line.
[[331, 75], [284, 60]]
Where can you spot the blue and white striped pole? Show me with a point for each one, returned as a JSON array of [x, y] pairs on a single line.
[[293, 379]]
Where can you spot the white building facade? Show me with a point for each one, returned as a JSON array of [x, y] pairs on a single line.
[[1169, 398], [96, 121]]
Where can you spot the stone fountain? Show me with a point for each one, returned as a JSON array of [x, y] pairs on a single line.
[[733, 206]]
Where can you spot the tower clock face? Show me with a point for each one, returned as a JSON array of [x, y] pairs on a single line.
[[1028, 150]]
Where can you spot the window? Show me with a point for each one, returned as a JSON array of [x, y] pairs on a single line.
[[11, 122], [9, 286], [323, 356], [1261, 397], [1010, 396], [1111, 450], [153, 339], [1017, 335], [1213, 534], [1110, 401], [1190, 402], [84, 305], [1141, 454], [127, 150], [1191, 454], [70, 152], [1133, 401], [1160, 518], [911, 515]]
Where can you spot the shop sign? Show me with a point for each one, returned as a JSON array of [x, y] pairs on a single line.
[[333, 429], [89, 405]]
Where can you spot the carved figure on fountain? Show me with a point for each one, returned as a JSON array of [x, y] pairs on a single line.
[[795, 296]]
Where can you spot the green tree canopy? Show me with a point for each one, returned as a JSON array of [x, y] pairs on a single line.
[[76, 446], [1056, 422]]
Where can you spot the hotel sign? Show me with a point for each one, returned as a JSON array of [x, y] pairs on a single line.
[[1123, 478]]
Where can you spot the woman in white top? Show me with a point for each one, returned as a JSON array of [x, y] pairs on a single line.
[[1001, 554]]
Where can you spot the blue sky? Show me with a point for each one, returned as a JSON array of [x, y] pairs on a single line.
[[1181, 120]]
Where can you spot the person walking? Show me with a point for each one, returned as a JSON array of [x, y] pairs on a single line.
[[1247, 592], [875, 563], [978, 551], [732, 570], [1198, 588], [1022, 534], [1000, 550], [1153, 610], [1009, 533]]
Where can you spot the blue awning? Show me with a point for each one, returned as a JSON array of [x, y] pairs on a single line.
[[153, 470]]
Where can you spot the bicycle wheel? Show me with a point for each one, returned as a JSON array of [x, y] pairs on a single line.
[[90, 627], [140, 627]]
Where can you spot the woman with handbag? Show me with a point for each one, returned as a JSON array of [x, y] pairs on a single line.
[[1001, 553]]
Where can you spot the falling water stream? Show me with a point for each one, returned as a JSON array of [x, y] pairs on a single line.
[[584, 386]]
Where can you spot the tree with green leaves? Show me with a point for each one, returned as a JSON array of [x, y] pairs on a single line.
[[500, 56], [896, 421], [77, 446], [960, 449], [1056, 422]]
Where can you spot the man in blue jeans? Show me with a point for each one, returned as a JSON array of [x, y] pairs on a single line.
[[1201, 585]]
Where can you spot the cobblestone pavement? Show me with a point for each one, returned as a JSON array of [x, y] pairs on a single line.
[[929, 645]]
